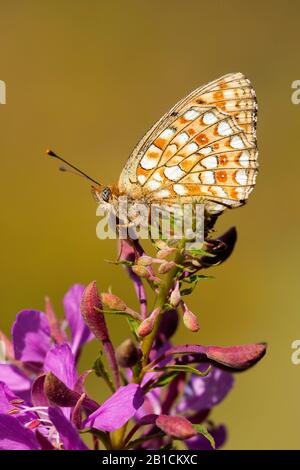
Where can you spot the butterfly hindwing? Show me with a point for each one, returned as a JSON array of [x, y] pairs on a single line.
[[204, 148]]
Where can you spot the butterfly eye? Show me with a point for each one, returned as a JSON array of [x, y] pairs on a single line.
[[106, 193]]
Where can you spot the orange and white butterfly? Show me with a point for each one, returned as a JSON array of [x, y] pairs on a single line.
[[202, 150]]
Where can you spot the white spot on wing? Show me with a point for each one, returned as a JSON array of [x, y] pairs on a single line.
[[205, 150], [209, 118], [210, 162], [244, 158], [179, 189], [167, 133], [163, 193], [207, 177], [191, 115], [174, 173], [236, 142], [182, 138], [219, 191], [224, 128], [241, 177], [157, 176], [141, 179], [228, 94], [152, 184], [172, 149], [148, 163], [191, 148]]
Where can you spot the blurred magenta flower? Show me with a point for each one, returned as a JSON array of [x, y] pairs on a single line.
[[166, 392], [33, 338]]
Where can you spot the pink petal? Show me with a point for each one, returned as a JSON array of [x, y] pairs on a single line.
[[118, 409]]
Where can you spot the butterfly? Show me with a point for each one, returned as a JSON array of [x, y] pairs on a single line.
[[203, 150]]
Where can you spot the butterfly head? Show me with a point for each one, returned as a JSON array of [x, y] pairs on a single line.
[[102, 193]]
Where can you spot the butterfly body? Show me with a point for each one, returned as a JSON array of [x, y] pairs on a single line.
[[203, 150]]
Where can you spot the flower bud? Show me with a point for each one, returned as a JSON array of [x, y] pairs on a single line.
[[56, 331], [176, 426], [237, 357], [58, 393], [166, 267], [196, 263], [147, 325], [175, 296], [113, 302], [140, 271], [189, 319], [145, 260], [162, 254], [6, 348], [161, 245], [91, 307], [127, 354]]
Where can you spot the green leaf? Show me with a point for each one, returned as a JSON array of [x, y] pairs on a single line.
[[123, 261], [182, 368], [101, 371], [204, 432], [169, 446], [102, 436], [196, 278], [165, 379], [198, 253], [133, 325], [142, 439]]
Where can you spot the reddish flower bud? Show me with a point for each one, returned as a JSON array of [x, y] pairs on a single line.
[[175, 296], [91, 310], [6, 348], [147, 325], [189, 319], [113, 302], [140, 271], [56, 331], [58, 393], [127, 354], [176, 426], [161, 245], [91, 307], [145, 260], [166, 267], [237, 357], [162, 254]]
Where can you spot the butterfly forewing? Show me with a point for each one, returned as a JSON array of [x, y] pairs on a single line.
[[203, 149]]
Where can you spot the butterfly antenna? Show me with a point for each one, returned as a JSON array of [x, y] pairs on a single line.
[[62, 168]]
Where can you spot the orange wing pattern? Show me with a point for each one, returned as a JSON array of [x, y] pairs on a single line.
[[203, 149]]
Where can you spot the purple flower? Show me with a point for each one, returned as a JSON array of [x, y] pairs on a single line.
[[118, 409], [27, 427], [203, 393], [79, 330], [34, 334], [194, 400], [15, 436]]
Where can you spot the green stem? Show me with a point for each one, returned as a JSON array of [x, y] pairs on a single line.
[[162, 298]]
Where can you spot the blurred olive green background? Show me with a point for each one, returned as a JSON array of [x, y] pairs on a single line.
[[88, 78]]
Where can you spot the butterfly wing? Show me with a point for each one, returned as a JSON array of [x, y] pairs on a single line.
[[203, 149]]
